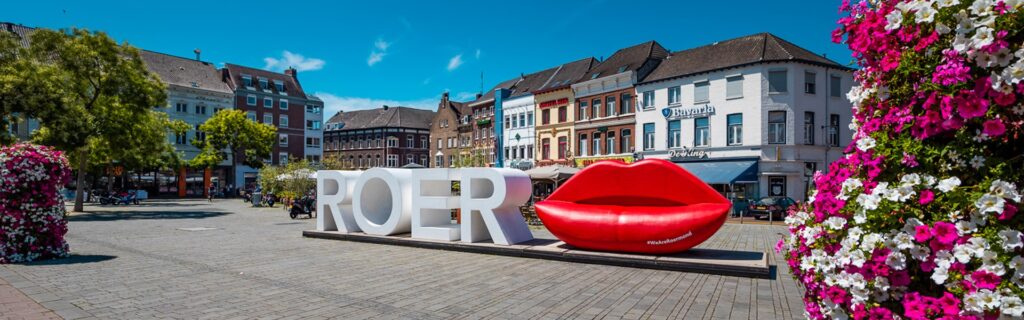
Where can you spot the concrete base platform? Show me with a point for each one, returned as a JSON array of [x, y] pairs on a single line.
[[720, 262]]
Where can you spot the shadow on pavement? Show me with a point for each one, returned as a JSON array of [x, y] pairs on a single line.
[[73, 259], [144, 215]]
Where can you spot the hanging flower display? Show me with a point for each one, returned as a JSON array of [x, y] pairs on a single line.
[[32, 214]]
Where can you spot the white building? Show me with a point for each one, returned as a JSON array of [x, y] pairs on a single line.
[[753, 116], [314, 130], [518, 129]]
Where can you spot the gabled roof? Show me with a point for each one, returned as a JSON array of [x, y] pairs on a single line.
[[628, 59], [292, 86], [391, 117], [568, 74], [489, 95], [184, 72], [22, 32], [532, 81], [756, 48]]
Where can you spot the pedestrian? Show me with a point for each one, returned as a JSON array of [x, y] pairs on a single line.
[[212, 190]]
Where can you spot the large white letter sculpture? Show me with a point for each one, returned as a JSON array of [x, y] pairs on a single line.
[[334, 200], [383, 201]]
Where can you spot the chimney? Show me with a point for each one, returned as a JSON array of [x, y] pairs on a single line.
[[385, 107], [292, 72], [197, 52], [444, 99], [478, 95]]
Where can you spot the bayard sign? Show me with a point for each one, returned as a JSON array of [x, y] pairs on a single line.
[[386, 201], [688, 112]]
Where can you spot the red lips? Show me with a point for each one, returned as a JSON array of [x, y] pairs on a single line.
[[652, 206]]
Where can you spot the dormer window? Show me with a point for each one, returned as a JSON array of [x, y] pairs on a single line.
[[623, 68], [247, 80], [594, 76], [263, 84], [279, 85]]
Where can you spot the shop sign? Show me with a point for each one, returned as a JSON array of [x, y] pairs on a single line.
[[688, 112], [583, 162], [552, 103], [687, 154], [389, 201]]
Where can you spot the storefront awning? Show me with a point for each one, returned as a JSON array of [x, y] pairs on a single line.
[[723, 172]]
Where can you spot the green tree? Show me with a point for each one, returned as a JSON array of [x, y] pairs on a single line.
[[86, 90], [230, 131]]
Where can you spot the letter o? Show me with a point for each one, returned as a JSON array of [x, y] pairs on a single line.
[[382, 202]]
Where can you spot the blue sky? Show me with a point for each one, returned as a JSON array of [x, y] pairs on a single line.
[[362, 54]]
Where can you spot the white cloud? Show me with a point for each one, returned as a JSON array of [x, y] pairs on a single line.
[[465, 96], [377, 54], [295, 60], [333, 103], [477, 54], [455, 62]]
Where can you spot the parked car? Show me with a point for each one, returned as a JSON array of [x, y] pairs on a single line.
[[776, 206]]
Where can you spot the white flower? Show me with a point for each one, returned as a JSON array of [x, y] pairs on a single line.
[[1011, 239], [962, 253], [870, 241], [912, 179], [920, 253], [857, 258], [977, 162], [925, 14], [896, 260], [894, 18], [942, 28], [1012, 306], [911, 225], [865, 143], [903, 241], [869, 201], [1004, 189], [965, 227], [990, 203], [947, 3], [948, 184], [848, 187], [835, 223], [981, 7], [901, 194]]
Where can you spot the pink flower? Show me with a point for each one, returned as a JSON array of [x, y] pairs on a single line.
[[945, 232], [1009, 210], [985, 280], [926, 196], [972, 107], [994, 128], [922, 233], [909, 160]]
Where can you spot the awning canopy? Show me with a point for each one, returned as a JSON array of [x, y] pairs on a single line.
[[553, 173], [723, 172]]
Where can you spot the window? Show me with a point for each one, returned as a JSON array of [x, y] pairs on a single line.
[[409, 159], [529, 151], [627, 104], [282, 158], [215, 110], [810, 83], [529, 118], [181, 107], [776, 127], [834, 86], [833, 130], [735, 129], [263, 84], [610, 143], [440, 146], [282, 139], [313, 125], [777, 186], [247, 80], [583, 111], [675, 133], [734, 87], [610, 106], [545, 116], [649, 136], [438, 161], [199, 134], [507, 153], [626, 139], [268, 102], [545, 151], [284, 104], [250, 100], [312, 142], [597, 144], [648, 102], [268, 118], [423, 160], [181, 138], [283, 122], [507, 124], [596, 104], [451, 160], [392, 142], [583, 145], [701, 132], [563, 147], [409, 142], [424, 143], [700, 92], [777, 82], [673, 95], [809, 128], [279, 85], [563, 114], [522, 120], [392, 160], [312, 108], [251, 115]]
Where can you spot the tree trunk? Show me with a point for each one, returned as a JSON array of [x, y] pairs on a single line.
[[80, 186]]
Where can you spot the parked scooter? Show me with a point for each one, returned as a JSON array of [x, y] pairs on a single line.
[[108, 198], [305, 205]]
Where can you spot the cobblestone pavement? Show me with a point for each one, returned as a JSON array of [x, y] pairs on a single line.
[[196, 260]]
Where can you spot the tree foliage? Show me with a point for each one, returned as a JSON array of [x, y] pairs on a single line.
[[231, 131]]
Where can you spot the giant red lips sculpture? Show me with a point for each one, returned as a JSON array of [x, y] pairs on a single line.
[[652, 206]]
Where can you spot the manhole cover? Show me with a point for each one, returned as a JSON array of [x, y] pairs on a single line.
[[197, 229]]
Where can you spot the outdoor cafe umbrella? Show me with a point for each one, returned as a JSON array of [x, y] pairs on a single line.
[[556, 173], [413, 166]]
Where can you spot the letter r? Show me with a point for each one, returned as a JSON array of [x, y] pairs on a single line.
[[334, 200]]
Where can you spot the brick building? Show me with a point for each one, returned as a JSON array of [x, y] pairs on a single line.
[[276, 99], [451, 132], [383, 137]]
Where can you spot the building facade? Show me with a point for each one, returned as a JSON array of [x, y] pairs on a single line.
[[605, 105], [195, 91], [314, 135], [554, 138], [483, 147], [517, 110], [452, 132], [272, 98], [753, 116], [389, 137]]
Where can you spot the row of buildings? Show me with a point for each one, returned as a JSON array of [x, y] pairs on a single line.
[[753, 116], [196, 90]]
